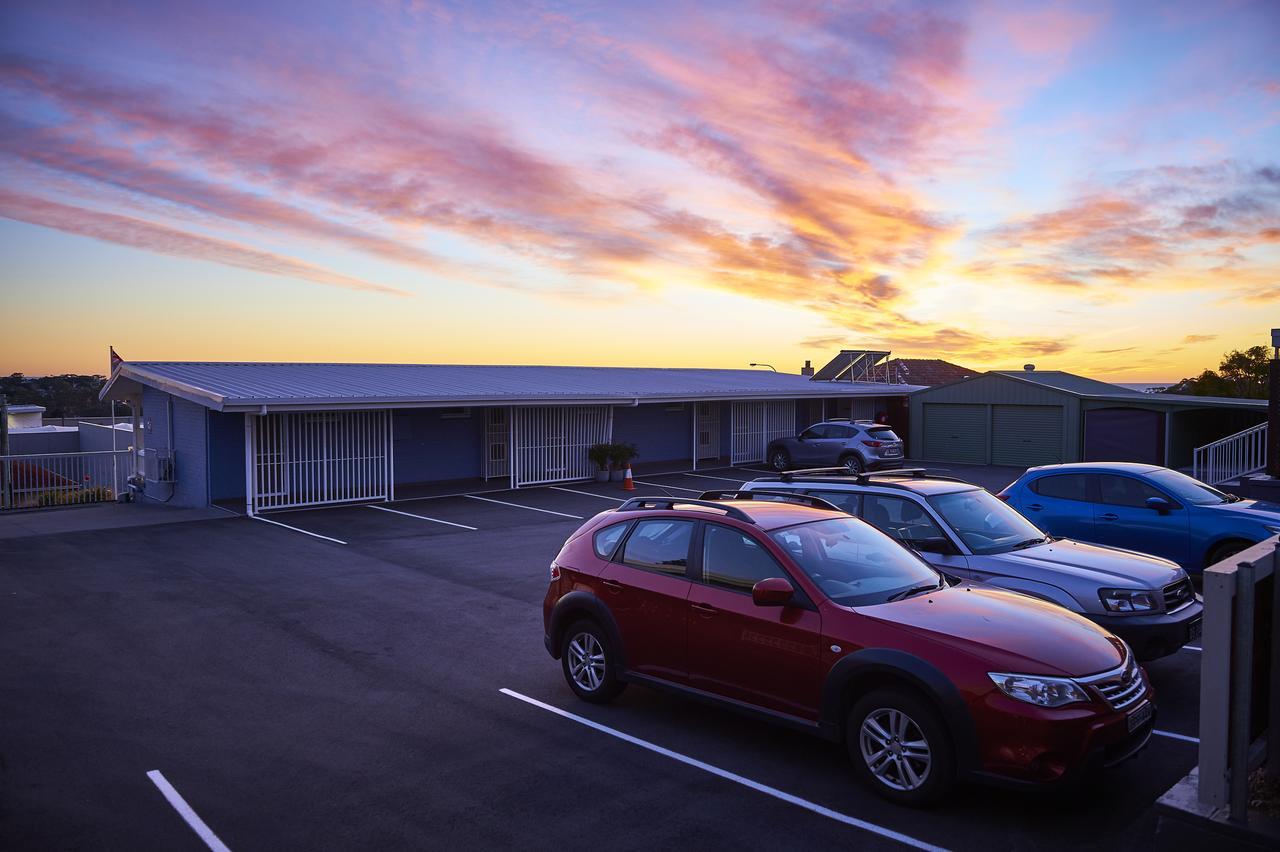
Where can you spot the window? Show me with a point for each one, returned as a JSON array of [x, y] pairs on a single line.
[[1125, 491], [903, 519], [813, 432], [882, 433], [659, 545], [735, 561], [606, 540], [1066, 486], [985, 522], [853, 564], [455, 413], [844, 433], [845, 500]]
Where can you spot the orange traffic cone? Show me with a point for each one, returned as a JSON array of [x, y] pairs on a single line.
[[628, 484]]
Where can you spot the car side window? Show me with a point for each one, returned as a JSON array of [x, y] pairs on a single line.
[[842, 432], [1126, 491], [734, 560], [814, 432], [661, 545], [606, 540], [847, 500], [903, 519], [1063, 486]]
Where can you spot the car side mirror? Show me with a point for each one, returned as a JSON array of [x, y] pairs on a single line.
[[1160, 505], [774, 591]]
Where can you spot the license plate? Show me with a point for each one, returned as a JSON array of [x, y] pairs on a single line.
[[1195, 629], [1141, 716]]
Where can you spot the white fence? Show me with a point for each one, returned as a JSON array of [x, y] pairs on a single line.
[[1232, 457], [62, 479], [755, 424], [549, 444], [318, 458]]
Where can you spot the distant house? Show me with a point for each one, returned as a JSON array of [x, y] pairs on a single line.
[[929, 372]]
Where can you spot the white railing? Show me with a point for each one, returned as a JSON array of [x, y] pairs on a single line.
[[1231, 457], [62, 479]]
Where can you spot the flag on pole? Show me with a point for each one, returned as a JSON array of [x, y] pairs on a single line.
[[116, 360]]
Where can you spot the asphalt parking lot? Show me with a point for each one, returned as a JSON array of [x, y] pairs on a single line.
[[337, 682]]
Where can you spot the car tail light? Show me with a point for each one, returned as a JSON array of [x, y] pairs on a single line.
[[555, 572], [874, 443]]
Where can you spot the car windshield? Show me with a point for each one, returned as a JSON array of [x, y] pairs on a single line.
[[854, 563], [1187, 489], [985, 523]]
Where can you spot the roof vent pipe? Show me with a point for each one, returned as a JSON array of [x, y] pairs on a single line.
[[807, 369], [1030, 368]]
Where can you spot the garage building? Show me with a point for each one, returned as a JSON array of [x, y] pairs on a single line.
[[277, 435], [1032, 417]]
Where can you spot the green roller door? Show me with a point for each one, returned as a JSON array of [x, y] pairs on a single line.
[[955, 433], [1026, 435]]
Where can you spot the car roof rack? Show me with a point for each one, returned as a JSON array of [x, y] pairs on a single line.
[[770, 496], [639, 504], [861, 477]]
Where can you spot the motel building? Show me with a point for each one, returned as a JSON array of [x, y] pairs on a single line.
[[257, 437]]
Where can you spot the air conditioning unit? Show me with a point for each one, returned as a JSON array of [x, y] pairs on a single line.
[[158, 465]]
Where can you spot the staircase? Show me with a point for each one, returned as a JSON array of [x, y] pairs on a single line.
[[1228, 459]]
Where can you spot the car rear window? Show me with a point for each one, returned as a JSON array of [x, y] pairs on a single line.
[[1064, 486], [606, 539], [882, 433]]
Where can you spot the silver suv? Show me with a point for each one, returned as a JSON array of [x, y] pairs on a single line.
[[967, 532], [858, 445]]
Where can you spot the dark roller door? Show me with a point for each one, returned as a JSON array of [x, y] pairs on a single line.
[[1026, 435], [955, 433], [1124, 434]]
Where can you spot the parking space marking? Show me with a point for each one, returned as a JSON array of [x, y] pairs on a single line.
[[674, 487], [1195, 648], [1171, 735], [721, 478], [728, 776], [422, 518], [587, 493], [298, 529], [184, 810], [522, 506]]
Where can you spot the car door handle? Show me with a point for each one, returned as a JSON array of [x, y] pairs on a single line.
[[1035, 507], [704, 610], [612, 585], [1110, 517]]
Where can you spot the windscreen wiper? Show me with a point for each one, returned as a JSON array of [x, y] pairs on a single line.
[[914, 590], [1031, 542]]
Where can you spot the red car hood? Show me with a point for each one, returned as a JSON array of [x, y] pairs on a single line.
[[1013, 632]]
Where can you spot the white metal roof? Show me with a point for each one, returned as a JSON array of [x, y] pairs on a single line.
[[281, 386]]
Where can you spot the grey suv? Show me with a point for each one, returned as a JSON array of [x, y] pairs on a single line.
[[966, 531], [858, 445]]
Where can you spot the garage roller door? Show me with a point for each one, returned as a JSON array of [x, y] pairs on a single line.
[[955, 433], [1026, 435]]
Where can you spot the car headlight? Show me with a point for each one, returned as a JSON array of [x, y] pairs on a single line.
[[1041, 691], [1129, 600]]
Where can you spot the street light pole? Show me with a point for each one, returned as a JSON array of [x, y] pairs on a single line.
[[770, 366]]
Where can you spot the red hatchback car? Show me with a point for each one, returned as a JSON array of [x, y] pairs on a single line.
[[781, 606]]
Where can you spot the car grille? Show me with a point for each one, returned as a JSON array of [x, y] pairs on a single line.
[[1179, 594], [1122, 687]]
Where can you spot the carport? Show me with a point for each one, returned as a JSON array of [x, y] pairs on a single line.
[[270, 436]]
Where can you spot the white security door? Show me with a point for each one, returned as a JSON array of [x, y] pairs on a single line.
[[497, 431], [318, 458], [755, 424], [708, 430], [550, 442]]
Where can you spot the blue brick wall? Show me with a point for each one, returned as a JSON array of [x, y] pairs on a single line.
[[658, 434], [189, 441], [429, 447], [226, 455]]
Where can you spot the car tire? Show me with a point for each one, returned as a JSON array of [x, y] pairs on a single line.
[[853, 462], [589, 662], [885, 729], [779, 460], [1224, 549]]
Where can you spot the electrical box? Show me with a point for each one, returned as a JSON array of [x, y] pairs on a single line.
[[158, 465]]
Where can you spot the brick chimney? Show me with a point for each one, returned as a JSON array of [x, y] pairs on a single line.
[[807, 369]]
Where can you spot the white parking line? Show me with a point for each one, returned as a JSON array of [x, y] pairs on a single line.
[[298, 529], [1171, 735], [586, 493], [673, 487], [721, 478], [184, 810], [422, 517], [729, 776], [522, 506], [1195, 648]]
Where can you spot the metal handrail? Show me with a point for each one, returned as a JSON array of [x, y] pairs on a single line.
[[1231, 457]]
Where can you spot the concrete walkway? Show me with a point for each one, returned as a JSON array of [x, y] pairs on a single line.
[[70, 519]]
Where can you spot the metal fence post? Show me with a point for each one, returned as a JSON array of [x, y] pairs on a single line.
[[1241, 693], [1273, 705]]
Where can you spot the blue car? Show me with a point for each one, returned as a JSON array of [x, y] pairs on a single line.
[[1142, 507]]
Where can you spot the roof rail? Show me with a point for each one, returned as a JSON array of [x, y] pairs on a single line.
[[913, 472], [770, 496], [861, 477], [638, 504], [787, 476]]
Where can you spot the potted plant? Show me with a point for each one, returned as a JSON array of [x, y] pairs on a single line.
[[599, 454], [621, 455]]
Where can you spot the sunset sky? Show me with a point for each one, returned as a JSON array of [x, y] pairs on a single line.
[[1092, 187]]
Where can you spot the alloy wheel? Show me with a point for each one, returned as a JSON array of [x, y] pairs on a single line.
[[779, 461], [895, 749], [586, 662]]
